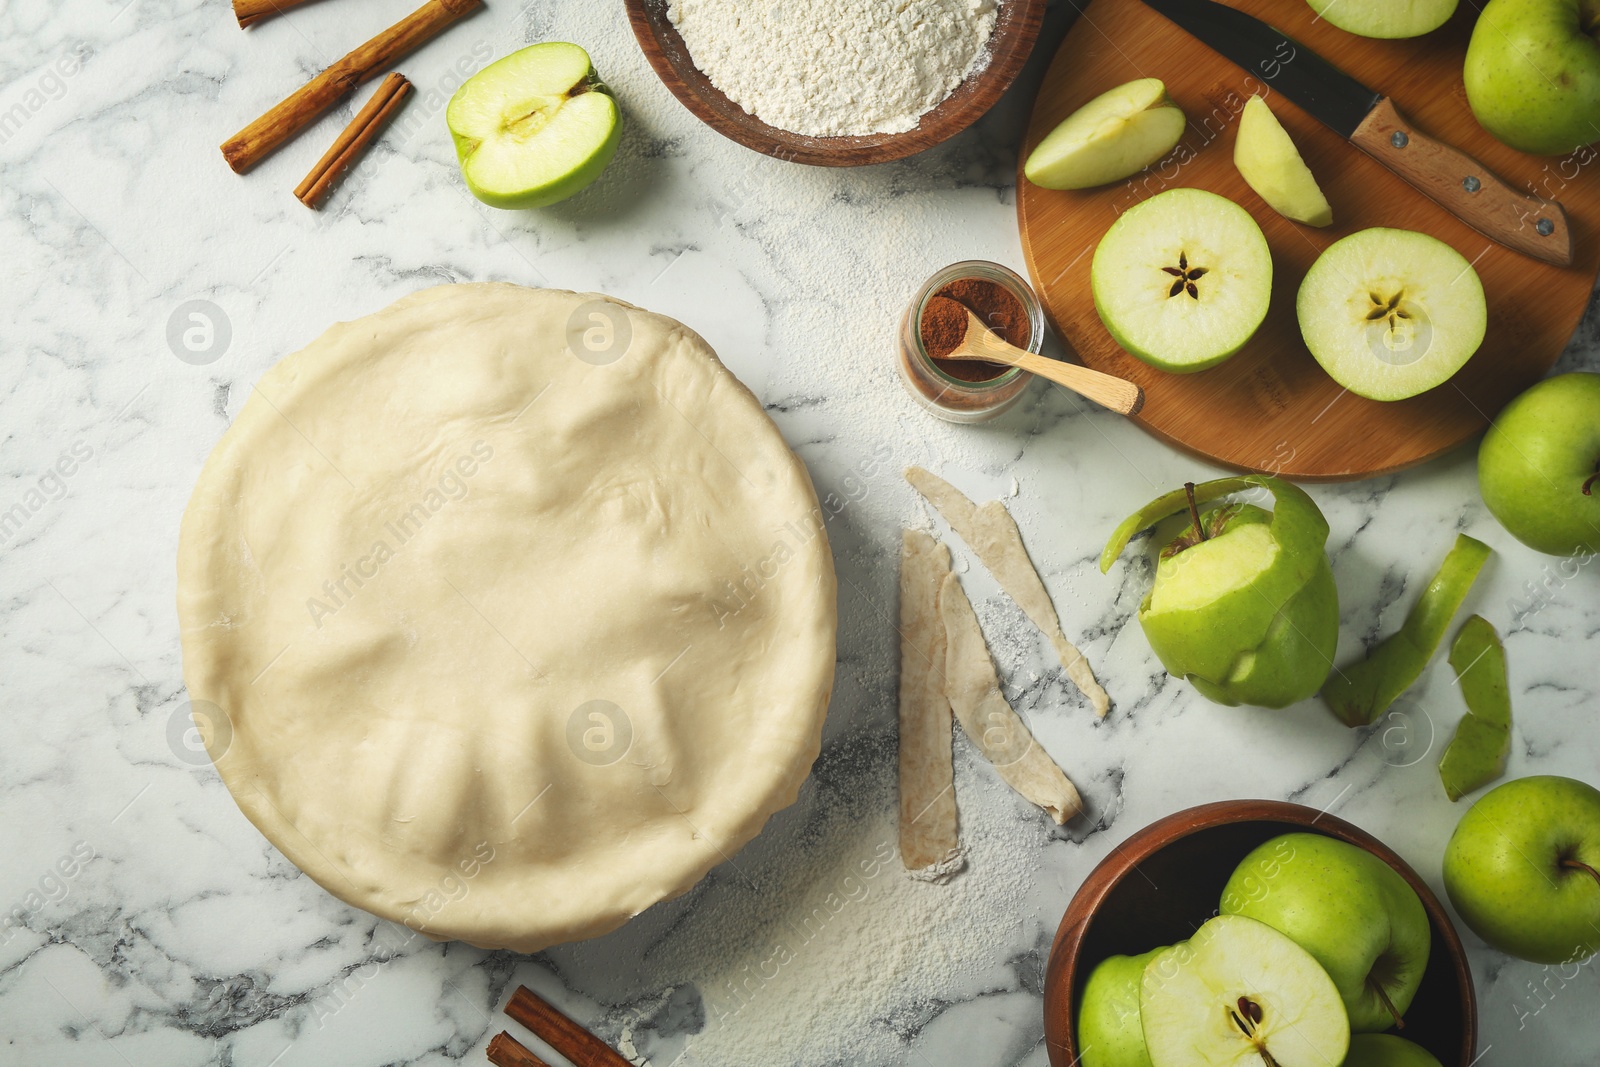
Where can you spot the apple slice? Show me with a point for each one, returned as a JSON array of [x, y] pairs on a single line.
[[1182, 280], [1386, 18], [1114, 136], [534, 127], [1391, 313], [1240, 993], [1271, 165]]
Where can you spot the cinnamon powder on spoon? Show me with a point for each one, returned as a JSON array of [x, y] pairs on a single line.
[[944, 325]]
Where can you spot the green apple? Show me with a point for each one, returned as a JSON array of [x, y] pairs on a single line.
[[1386, 1050], [1391, 313], [1539, 466], [1114, 136], [1243, 605], [1523, 868], [1533, 73], [534, 127], [1240, 993], [1386, 18], [1110, 1033], [1183, 279], [1349, 909], [1267, 159]]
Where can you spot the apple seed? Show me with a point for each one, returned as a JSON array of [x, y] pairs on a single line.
[[1186, 277]]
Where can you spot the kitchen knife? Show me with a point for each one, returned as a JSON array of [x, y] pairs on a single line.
[[1368, 120]]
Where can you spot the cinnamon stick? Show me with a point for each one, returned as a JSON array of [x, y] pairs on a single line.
[[560, 1032], [349, 145], [251, 11], [506, 1051], [302, 107]]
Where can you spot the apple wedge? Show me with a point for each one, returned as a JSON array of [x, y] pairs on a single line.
[[1241, 993], [534, 127], [1114, 136], [1266, 157], [1391, 313]]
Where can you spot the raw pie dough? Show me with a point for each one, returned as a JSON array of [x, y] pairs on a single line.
[[510, 644]]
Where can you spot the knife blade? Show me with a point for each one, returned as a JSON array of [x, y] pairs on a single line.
[[1369, 120]]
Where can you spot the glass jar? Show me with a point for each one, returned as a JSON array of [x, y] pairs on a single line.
[[948, 397]]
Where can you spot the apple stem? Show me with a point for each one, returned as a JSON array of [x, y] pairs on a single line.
[[1388, 1005], [1588, 486], [1574, 865], [1194, 512]]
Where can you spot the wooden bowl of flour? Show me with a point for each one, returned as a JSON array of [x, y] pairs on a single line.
[[1016, 29]]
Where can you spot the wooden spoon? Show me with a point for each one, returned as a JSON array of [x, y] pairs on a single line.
[[981, 343]]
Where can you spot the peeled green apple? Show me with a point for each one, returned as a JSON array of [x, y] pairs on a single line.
[[1241, 993], [1266, 157], [1391, 313], [1539, 466], [1114, 136], [1386, 1050], [1533, 73], [1182, 280], [1243, 605], [1347, 908], [1523, 868], [1110, 1033], [534, 127], [1386, 18]]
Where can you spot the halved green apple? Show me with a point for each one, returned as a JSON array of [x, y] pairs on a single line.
[[1268, 160], [1114, 136], [1386, 18], [1391, 313], [1240, 993], [534, 127], [1182, 280]]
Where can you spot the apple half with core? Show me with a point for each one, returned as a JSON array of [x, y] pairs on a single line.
[[1114, 136], [1267, 159], [1243, 605], [1182, 280], [1349, 909], [1110, 1031], [1523, 868], [1391, 313], [534, 127], [1533, 73], [1386, 18], [1539, 466], [1239, 992], [1387, 1050]]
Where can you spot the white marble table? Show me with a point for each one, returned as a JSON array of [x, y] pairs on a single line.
[[181, 937]]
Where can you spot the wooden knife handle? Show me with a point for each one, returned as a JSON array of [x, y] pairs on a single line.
[[1465, 188]]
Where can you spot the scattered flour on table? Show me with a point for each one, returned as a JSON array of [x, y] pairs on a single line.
[[832, 68], [835, 955]]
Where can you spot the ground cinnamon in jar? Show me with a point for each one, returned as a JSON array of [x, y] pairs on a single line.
[[944, 324]]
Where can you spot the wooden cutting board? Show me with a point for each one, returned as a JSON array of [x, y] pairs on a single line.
[[1271, 407]]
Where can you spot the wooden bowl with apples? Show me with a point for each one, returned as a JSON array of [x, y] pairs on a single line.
[[1163, 887], [1016, 29]]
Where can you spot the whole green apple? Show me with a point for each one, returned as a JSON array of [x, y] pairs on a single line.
[[1533, 73], [1523, 868], [1386, 1050], [1539, 466], [1347, 908], [1243, 605], [1110, 1033]]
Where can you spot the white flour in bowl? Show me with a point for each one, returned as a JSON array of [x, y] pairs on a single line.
[[834, 68]]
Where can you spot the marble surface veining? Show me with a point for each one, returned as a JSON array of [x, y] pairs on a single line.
[[151, 924]]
